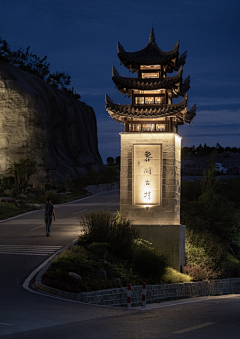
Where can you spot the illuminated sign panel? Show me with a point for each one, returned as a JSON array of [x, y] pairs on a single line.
[[146, 174]]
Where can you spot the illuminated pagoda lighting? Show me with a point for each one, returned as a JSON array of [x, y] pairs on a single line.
[[150, 176], [152, 91]]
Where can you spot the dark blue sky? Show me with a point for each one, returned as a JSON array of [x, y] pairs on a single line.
[[80, 38]]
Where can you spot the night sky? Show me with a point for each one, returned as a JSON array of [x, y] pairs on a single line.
[[80, 38]]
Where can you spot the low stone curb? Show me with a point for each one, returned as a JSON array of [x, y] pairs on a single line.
[[154, 293]]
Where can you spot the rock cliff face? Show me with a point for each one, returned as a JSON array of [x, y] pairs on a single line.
[[44, 124]]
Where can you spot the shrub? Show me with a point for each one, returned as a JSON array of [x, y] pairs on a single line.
[[22, 170], [148, 262], [99, 248], [62, 281], [230, 190], [190, 191], [205, 256], [120, 234], [75, 260], [10, 180], [220, 221], [61, 189], [93, 177], [199, 273], [232, 266], [14, 192], [172, 276], [54, 197]]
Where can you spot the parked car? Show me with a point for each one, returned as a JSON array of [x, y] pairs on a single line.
[[220, 168]]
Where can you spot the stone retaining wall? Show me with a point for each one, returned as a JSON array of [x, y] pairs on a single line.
[[155, 293]]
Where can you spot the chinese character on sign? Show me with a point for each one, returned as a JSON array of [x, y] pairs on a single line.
[[147, 155], [147, 182], [147, 170], [138, 163], [147, 195]]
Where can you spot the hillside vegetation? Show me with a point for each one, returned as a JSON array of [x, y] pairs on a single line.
[[210, 211]]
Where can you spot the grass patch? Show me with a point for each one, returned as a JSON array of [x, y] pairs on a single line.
[[8, 210], [22, 205]]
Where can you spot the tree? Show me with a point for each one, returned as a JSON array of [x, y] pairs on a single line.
[[228, 149], [32, 63], [235, 150], [110, 161], [59, 80], [199, 149], [185, 151], [22, 170], [219, 148], [209, 186], [118, 160]]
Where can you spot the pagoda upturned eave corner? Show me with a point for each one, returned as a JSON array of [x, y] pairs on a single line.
[[152, 91]]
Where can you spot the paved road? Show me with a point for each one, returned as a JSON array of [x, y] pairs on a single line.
[[23, 314]]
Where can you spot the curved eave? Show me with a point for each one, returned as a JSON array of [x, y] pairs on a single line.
[[150, 55], [190, 114], [120, 112], [185, 86], [125, 85], [181, 61]]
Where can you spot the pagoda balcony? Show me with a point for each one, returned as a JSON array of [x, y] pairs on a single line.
[[126, 85], [119, 112]]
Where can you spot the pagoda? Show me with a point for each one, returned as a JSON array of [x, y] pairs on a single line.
[[152, 91], [150, 176]]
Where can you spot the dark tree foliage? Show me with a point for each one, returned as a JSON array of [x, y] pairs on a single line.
[[118, 160], [110, 160], [32, 63], [235, 150], [209, 209], [22, 170]]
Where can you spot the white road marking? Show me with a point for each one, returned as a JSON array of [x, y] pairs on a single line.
[[28, 249], [193, 328], [80, 212], [5, 324], [32, 229]]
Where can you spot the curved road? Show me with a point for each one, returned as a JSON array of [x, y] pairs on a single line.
[[23, 314]]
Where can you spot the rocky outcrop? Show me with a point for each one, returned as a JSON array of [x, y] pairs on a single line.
[[44, 124]]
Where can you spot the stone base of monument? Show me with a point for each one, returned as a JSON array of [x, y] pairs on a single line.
[[168, 240]]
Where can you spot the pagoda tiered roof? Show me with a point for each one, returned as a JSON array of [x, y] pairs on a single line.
[[152, 91], [119, 112], [125, 85], [150, 55]]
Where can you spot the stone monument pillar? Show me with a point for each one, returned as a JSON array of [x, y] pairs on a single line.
[[150, 190], [150, 177]]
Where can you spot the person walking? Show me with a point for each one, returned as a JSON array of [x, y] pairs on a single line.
[[49, 212]]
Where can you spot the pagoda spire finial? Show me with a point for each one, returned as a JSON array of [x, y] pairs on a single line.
[[152, 37]]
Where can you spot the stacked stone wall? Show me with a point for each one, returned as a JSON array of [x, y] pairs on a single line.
[[154, 293]]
